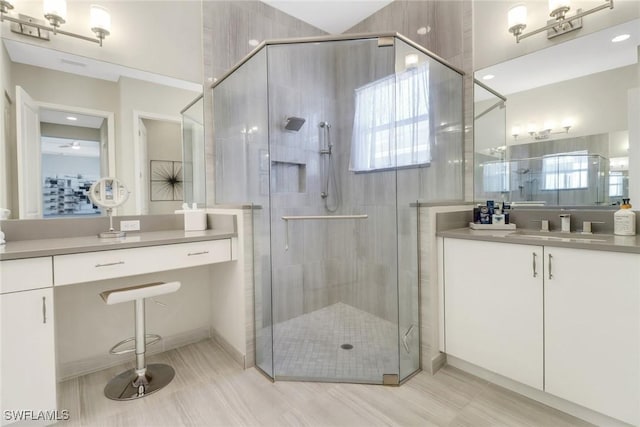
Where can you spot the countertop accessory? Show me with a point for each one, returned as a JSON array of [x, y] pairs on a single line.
[[143, 379], [194, 219], [624, 220], [109, 193], [565, 223], [475, 226]]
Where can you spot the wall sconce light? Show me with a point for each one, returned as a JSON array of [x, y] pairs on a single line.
[[55, 11], [545, 132], [560, 24]]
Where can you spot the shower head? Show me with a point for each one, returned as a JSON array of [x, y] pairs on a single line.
[[293, 124]]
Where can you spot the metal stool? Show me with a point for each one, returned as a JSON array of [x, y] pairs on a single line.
[[143, 380]]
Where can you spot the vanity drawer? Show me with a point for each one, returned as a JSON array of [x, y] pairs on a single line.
[[87, 267], [24, 274]]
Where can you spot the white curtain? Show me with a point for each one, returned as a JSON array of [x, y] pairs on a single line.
[[391, 122]]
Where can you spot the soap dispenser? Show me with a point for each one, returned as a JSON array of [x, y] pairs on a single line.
[[624, 220], [2, 241]]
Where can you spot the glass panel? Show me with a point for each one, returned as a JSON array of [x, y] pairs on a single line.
[[334, 281], [240, 116], [429, 108], [193, 158], [492, 170]]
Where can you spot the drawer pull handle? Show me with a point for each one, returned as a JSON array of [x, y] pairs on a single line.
[[550, 271], [44, 309], [535, 267], [198, 253], [109, 264]]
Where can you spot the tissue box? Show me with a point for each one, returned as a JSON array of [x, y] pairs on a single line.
[[195, 220]]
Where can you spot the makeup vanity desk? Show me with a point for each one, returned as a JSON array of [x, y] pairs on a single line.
[[31, 269]]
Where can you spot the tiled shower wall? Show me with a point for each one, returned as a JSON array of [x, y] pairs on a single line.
[[229, 25]]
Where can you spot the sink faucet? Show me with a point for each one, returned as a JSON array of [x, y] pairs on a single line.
[[565, 223], [544, 224], [586, 226]]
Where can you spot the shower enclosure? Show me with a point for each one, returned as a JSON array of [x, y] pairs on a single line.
[[335, 142]]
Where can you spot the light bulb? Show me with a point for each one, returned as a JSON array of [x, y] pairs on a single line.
[[55, 11], [532, 128], [558, 8], [548, 125], [515, 131], [517, 18]]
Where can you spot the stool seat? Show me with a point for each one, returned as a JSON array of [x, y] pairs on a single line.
[[143, 380], [132, 293]]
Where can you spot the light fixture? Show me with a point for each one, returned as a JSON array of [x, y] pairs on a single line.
[[545, 132], [55, 12], [620, 38], [423, 30], [561, 23], [254, 42], [488, 77], [71, 118]]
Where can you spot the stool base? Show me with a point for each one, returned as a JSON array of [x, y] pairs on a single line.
[[122, 388]]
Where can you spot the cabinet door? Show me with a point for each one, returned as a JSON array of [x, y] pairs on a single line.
[[28, 374], [493, 307], [592, 330]]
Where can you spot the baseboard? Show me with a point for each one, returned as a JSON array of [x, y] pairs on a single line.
[[437, 362], [88, 365], [229, 349], [538, 395]]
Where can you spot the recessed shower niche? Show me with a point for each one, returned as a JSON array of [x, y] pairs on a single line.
[[346, 135], [288, 177]]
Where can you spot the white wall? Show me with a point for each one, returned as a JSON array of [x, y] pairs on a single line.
[[164, 142], [163, 37], [150, 100]]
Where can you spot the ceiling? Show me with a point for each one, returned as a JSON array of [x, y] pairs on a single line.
[[25, 53], [575, 58], [332, 16], [63, 147], [63, 118]]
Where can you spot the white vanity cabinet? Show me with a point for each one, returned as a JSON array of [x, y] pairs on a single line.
[[28, 380], [493, 307], [592, 330], [576, 324]]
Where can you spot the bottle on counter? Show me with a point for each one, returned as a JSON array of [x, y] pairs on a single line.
[[624, 220]]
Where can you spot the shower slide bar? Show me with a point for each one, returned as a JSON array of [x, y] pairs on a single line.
[[315, 217]]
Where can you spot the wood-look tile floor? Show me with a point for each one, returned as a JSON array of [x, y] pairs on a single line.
[[210, 389]]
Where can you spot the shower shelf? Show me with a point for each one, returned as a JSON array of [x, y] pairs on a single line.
[[314, 217]]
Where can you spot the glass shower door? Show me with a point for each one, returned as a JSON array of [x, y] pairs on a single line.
[[334, 246]]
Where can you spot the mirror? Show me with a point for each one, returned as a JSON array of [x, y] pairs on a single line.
[[192, 153], [553, 127], [74, 112]]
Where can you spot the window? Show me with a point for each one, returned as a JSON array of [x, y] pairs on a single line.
[[616, 184], [565, 171], [391, 126], [495, 177]]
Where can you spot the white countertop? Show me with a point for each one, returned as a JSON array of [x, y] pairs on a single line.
[[599, 242], [70, 245]]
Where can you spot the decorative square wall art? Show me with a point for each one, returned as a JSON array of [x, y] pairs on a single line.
[[166, 180]]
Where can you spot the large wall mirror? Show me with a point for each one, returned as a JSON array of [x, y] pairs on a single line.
[[74, 111], [555, 126]]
